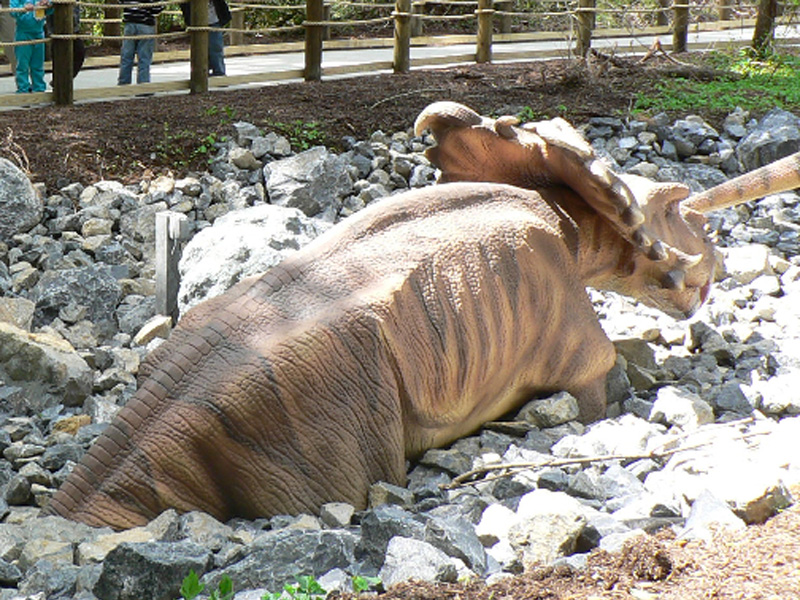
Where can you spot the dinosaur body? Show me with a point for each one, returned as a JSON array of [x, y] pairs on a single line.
[[403, 328]]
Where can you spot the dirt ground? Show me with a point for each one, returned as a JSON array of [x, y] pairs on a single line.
[[135, 139], [131, 139]]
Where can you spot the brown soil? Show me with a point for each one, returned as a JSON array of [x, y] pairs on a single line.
[[139, 138], [760, 563], [129, 139]]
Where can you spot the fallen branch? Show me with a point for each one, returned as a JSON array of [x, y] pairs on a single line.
[[515, 468]]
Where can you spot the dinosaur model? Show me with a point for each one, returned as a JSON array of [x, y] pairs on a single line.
[[403, 328]]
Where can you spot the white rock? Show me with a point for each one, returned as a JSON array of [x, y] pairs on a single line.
[[746, 263], [495, 523], [413, 559], [682, 408]]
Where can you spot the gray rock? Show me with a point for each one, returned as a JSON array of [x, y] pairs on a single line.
[[49, 371], [451, 533], [382, 524], [315, 181], [336, 515], [20, 205], [149, 570], [275, 557], [776, 135], [56, 580], [95, 287], [549, 412], [414, 559], [382, 493]]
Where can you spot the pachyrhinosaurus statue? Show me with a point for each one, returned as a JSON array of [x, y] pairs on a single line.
[[403, 328]]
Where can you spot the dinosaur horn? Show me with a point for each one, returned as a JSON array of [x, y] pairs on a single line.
[[448, 114], [779, 176]]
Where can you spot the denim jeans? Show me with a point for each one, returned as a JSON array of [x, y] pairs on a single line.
[[216, 43], [142, 49]]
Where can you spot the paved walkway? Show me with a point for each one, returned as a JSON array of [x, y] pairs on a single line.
[[247, 65]]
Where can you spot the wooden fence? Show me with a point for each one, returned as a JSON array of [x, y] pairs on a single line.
[[486, 23]]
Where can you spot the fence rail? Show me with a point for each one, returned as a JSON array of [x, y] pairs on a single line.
[[332, 24]]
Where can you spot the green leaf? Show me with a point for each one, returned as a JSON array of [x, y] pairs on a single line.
[[191, 586], [362, 583]]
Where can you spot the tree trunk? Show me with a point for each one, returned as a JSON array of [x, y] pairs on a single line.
[[765, 25]]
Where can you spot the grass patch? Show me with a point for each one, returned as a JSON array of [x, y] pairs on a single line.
[[763, 85]]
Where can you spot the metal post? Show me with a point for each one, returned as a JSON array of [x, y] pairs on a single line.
[[171, 230], [485, 12], [62, 53], [315, 13], [198, 39], [402, 36]]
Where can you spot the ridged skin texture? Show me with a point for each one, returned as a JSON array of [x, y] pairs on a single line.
[[403, 328]]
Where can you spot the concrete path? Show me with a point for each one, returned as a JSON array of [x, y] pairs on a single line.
[[246, 65]]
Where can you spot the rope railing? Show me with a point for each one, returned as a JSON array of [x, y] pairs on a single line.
[[575, 20]]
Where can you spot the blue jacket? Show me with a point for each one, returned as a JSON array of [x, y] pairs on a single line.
[[27, 23]]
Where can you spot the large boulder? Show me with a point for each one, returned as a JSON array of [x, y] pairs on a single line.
[[46, 370], [776, 135], [20, 205], [315, 181], [240, 244], [95, 287]]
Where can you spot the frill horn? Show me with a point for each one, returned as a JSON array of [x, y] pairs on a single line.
[[447, 114], [776, 177]]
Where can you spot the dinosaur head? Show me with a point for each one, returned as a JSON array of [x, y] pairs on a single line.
[[658, 233], [679, 283]]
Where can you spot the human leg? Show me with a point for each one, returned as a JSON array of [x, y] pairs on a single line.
[[37, 67], [126, 56], [144, 53], [23, 71], [216, 45]]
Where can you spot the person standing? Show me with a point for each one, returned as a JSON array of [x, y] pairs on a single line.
[[219, 15], [30, 57], [139, 21]]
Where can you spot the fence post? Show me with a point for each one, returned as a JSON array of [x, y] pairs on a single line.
[[724, 10], [237, 23], [505, 20], [112, 26], [62, 53], [485, 12], [314, 14], [680, 26], [171, 229], [662, 17], [198, 38], [402, 36], [418, 9], [584, 18]]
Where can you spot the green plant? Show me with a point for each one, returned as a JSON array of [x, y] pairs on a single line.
[[306, 588], [753, 83], [302, 135], [192, 588], [362, 583], [226, 113]]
